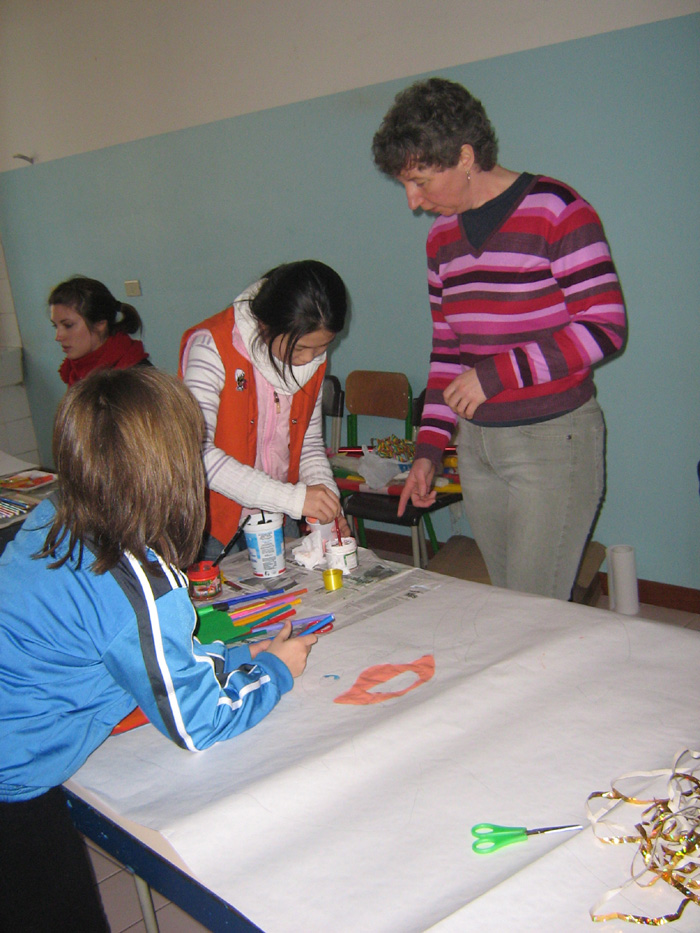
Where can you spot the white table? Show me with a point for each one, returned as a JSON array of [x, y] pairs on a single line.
[[345, 817]]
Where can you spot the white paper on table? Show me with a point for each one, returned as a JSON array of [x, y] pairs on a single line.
[[359, 817], [10, 464]]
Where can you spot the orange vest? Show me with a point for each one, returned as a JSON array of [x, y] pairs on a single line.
[[237, 422]]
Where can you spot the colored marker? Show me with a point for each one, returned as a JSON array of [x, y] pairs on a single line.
[[289, 599], [245, 635], [316, 626], [276, 624], [260, 611], [235, 600], [259, 618], [15, 506], [308, 620]]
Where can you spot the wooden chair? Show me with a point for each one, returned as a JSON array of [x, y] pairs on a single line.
[[388, 395]]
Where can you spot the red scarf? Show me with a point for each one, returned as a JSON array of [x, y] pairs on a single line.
[[117, 352]]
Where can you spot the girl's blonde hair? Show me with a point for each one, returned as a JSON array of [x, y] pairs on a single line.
[[127, 450]]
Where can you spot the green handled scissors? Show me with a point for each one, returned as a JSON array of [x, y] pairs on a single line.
[[490, 837]]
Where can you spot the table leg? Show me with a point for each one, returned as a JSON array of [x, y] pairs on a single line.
[[150, 920]]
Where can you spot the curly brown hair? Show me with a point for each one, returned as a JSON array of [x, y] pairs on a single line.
[[427, 126]]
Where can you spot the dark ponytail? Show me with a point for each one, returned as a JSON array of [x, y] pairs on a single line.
[[94, 302], [129, 322]]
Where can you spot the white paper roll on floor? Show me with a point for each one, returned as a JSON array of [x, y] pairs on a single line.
[[623, 592]]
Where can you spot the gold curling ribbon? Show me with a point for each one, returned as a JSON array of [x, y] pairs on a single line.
[[668, 838]]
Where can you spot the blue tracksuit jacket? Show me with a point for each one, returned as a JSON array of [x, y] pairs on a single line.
[[79, 651]]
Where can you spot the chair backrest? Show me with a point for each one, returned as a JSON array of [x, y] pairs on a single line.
[[379, 394], [333, 406]]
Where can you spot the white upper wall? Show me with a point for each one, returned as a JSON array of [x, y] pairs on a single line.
[[79, 75]]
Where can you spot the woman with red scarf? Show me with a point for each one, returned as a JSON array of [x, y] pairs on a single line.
[[93, 329]]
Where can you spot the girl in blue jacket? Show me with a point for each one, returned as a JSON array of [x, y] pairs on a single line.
[[96, 619]]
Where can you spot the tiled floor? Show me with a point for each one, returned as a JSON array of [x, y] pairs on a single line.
[[121, 903], [117, 887]]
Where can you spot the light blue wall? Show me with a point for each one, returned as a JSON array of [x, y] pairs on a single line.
[[196, 215]]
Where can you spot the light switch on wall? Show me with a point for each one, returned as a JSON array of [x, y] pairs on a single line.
[[133, 288]]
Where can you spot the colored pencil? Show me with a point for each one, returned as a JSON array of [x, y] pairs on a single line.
[[269, 603], [244, 598], [315, 626], [309, 620], [265, 614], [271, 628], [261, 610]]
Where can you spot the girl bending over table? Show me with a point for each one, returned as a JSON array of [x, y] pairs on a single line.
[[257, 371], [96, 619]]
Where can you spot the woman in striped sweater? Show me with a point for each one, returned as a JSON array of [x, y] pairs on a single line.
[[525, 300]]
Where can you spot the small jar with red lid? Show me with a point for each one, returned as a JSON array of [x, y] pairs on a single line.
[[205, 580]]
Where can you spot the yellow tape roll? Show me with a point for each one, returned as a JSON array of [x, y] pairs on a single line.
[[332, 579]]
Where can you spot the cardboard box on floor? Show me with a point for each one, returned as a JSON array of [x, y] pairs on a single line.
[[460, 557]]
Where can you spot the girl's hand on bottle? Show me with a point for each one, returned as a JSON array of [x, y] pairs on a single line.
[[322, 504]]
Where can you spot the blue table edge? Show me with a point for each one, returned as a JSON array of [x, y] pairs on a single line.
[[174, 884]]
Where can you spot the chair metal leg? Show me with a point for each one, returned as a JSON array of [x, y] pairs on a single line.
[[335, 435], [423, 545], [415, 541], [360, 531]]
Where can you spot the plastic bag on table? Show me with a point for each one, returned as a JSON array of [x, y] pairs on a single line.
[[377, 471]]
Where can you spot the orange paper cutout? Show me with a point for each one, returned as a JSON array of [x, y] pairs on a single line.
[[359, 695], [135, 718]]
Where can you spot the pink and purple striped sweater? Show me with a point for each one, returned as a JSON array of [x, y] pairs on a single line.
[[531, 310]]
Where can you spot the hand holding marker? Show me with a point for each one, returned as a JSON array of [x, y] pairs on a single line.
[[317, 625], [268, 609], [291, 651], [258, 614]]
